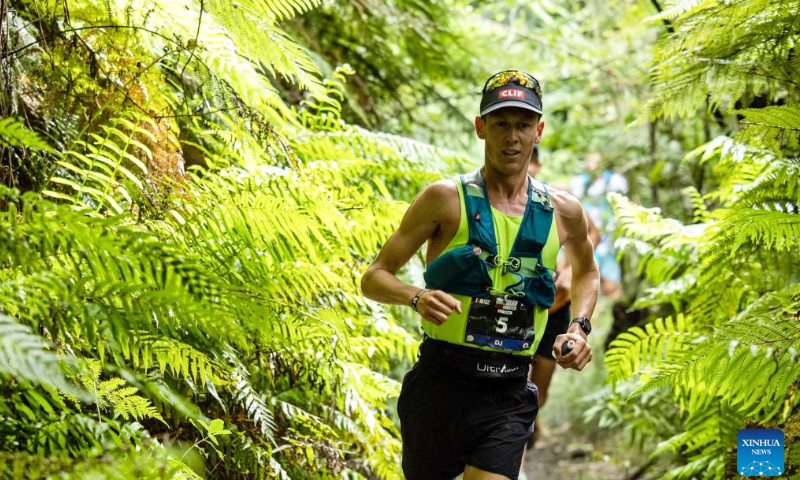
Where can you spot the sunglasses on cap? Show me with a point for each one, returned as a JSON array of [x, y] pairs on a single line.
[[518, 77]]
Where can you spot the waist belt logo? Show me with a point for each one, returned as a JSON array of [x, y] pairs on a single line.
[[759, 452]]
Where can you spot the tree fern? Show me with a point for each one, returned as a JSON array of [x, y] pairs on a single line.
[[724, 64], [736, 277]]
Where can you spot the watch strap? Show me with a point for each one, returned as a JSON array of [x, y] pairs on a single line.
[[416, 298]]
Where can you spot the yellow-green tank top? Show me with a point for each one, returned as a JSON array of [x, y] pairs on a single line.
[[506, 228]]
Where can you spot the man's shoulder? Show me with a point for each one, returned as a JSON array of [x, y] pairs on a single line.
[[566, 205], [438, 197], [437, 202], [557, 186], [440, 191]]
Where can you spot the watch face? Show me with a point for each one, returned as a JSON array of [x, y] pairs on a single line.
[[584, 323]]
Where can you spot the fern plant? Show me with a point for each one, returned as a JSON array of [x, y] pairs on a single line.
[[706, 60], [161, 300], [724, 289]]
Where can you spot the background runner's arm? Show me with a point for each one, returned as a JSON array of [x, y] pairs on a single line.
[[563, 286], [421, 221]]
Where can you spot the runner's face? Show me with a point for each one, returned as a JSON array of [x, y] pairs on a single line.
[[509, 135]]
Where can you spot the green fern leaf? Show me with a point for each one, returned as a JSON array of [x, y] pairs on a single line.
[[14, 133], [27, 357]]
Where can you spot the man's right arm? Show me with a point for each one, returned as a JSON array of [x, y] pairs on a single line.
[[421, 222]]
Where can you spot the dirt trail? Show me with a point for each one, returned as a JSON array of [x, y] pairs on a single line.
[[568, 459]]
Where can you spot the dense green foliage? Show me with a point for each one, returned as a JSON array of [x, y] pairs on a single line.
[[724, 287], [180, 279], [193, 188]]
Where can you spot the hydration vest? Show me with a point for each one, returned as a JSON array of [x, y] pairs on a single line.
[[467, 276]]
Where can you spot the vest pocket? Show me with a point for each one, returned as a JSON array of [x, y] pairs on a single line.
[[459, 271], [539, 288]]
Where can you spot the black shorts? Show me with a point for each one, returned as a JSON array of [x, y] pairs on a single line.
[[557, 324], [449, 421]]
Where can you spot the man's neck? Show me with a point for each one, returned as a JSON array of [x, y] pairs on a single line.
[[505, 187]]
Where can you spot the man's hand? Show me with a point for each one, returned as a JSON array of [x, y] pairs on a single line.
[[435, 306], [581, 353]]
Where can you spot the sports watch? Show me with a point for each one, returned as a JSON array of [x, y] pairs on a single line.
[[584, 322]]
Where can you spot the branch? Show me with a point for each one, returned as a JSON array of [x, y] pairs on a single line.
[[191, 53]]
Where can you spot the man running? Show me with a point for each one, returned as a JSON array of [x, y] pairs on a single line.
[[466, 407]]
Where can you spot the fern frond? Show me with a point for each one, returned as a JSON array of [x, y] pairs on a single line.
[[639, 222], [701, 213], [372, 386], [776, 127], [676, 245], [262, 42], [27, 357], [323, 112], [706, 60], [253, 404], [114, 394], [742, 372], [776, 187], [277, 10], [14, 134], [101, 172], [642, 351], [675, 9], [707, 437], [773, 230], [173, 358]]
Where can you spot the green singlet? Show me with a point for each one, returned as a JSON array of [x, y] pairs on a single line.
[[506, 228]]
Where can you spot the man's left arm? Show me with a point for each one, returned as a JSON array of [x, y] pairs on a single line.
[[585, 280]]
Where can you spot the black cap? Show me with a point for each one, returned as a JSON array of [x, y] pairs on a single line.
[[511, 88]]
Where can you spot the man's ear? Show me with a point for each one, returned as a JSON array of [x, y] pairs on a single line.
[[539, 130], [479, 127]]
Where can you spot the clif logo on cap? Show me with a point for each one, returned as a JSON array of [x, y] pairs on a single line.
[[511, 93]]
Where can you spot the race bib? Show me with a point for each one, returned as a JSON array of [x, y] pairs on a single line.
[[500, 323]]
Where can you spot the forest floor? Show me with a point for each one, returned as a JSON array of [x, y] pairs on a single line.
[[560, 457]]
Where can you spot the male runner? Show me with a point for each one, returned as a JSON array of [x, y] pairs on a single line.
[[466, 407]]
